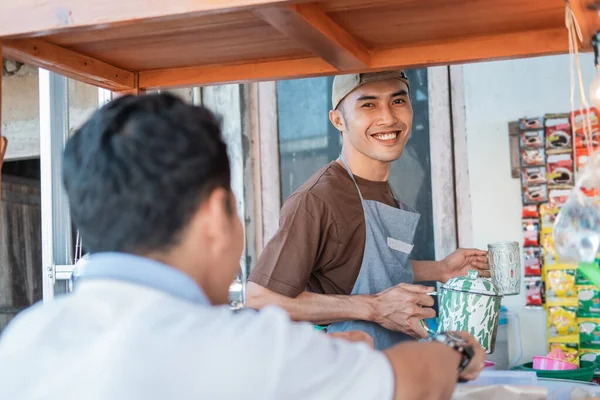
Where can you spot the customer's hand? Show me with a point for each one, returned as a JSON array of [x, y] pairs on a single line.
[[477, 363], [353, 336], [402, 307]]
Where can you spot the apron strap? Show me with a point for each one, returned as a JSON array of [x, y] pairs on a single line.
[[351, 175]]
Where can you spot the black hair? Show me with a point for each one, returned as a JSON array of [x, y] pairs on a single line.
[[139, 169]]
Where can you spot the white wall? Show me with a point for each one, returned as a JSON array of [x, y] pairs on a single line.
[[496, 93]]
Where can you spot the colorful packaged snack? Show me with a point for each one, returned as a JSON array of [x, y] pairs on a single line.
[[535, 194], [562, 321], [589, 331], [533, 287], [550, 255], [558, 137], [548, 213], [559, 169], [531, 123], [582, 141], [559, 195], [589, 300], [560, 283], [533, 157], [530, 211], [533, 262], [580, 118], [571, 350], [533, 176], [531, 233], [532, 138]]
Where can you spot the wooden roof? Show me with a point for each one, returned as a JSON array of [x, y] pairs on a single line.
[[139, 44]]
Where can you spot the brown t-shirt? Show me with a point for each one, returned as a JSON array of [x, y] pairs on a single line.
[[321, 238]]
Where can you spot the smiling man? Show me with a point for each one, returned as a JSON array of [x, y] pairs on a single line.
[[341, 254]]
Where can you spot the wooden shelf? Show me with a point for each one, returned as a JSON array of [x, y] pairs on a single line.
[[143, 44]]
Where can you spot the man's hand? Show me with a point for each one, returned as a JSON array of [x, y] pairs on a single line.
[[477, 363], [353, 336], [463, 260], [402, 307]]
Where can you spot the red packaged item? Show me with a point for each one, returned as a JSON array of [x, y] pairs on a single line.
[[558, 137], [594, 139], [581, 156], [560, 169], [535, 194], [533, 261], [533, 176], [532, 139], [579, 119], [533, 157], [533, 288], [530, 211], [531, 233]]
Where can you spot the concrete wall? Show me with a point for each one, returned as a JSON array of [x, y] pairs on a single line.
[[20, 110], [495, 93]]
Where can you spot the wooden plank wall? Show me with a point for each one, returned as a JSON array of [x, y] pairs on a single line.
[[21, 249]]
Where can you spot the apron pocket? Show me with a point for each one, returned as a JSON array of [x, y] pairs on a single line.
[[399, 245]]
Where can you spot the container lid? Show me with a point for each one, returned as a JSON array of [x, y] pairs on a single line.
[[472, 283]]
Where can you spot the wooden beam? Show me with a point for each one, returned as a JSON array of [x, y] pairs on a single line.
[[311, 27], [3, 143], [136, 91], [456, 51], [53, 16], [588, 19], [69, 63]]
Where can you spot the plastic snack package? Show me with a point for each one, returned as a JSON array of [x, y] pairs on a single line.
[[558, 137], [589, 332], [560, 169], [533, 176], [533, 263], [560, 283], [589, 300], [531, 123], [533, 157], [533, 287], [548, 213], [532, 138], [531, 233], [571, 350], [530, 211], [562, 321]]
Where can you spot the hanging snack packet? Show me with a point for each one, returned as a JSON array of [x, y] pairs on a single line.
[[533, 157], [548, 213], [589, 331], [535, 194], [562, 321], [560, 283], [530, 211], [533, 288], [550, 255], [580, 118], [559, 195], [560, 169], [581, 279], [531, 123], [533, 263], [589, 300], [533, 176], [532, 138], [531, 233], [558, 137]]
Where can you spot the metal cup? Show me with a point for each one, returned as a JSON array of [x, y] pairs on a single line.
[[505, 267]]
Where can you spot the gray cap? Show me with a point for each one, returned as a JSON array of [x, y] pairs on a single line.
[[344, 84]]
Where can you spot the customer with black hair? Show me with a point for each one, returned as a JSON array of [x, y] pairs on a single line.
[[148, 185]]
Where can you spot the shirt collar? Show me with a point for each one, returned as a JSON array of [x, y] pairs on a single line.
[[141, 271]]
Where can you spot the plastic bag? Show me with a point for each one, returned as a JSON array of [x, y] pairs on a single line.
[[577, 226]]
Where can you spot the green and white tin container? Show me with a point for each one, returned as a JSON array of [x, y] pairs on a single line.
[[471, 304]]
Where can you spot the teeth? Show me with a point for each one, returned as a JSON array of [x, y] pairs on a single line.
[[386, 136]]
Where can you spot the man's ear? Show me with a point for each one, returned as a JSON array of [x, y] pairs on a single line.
[[216, 214], [337, 120]]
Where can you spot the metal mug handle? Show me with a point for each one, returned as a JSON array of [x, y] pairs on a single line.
[[423, 324]]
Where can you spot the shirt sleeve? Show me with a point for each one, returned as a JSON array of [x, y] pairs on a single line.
[[314, 366], [291, 255]]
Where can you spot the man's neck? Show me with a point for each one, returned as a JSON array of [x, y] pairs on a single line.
[[365, 167]]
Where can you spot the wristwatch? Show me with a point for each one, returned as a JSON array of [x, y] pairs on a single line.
[[457, 343]]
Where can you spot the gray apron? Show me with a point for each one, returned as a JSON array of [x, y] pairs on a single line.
[[389, 236]]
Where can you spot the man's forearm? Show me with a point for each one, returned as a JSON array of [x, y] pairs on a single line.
[[425, 271], [313, 307]]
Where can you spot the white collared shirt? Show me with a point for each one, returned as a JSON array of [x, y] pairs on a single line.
[[116, 339]]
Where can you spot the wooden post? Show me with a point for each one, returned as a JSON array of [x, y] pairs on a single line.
[[3, 143], [136, 91]]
